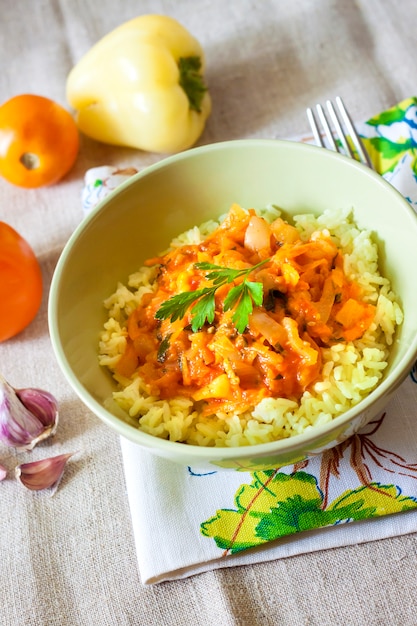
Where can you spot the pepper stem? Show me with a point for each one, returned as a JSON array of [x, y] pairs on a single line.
[[191, 80]]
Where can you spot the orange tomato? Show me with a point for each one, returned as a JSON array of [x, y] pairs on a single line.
[[20, 283], [39, 141]]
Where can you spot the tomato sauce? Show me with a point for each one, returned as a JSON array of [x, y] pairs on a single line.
[[308, 303]]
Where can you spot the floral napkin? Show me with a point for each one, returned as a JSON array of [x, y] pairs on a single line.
[[188, 521]]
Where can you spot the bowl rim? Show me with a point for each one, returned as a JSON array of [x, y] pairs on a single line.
[[153, 443]]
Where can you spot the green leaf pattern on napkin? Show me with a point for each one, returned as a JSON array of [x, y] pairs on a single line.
[[392, 135], [285, 501], [276, 504]]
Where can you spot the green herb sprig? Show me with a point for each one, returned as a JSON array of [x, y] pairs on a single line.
[[241, 297]]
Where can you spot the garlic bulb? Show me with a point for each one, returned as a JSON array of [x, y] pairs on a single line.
[[42, 474], [27, 416]]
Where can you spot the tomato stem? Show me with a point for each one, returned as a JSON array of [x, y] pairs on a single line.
[[30, 161]]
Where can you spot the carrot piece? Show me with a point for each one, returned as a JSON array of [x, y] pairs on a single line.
[[355, 317], [350, 314]]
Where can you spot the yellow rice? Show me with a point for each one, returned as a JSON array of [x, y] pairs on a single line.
[[350, 370]]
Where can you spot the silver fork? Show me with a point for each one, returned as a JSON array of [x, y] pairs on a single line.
[[343, 127]]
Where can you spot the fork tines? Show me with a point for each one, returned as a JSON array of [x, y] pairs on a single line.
[[343, 127]]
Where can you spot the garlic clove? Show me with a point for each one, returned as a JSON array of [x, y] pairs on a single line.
[[26, 416], [42, 404], [3, 472], [43, 474]]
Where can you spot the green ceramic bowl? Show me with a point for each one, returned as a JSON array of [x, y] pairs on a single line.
[[139, 219]]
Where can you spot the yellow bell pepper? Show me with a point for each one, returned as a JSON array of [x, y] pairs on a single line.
[[142, 86]]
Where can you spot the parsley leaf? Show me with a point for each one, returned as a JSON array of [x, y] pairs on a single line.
[[241, 297], [176, 307], [203, 311], [256, 292]]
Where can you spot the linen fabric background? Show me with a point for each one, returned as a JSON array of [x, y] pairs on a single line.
[[71, 559]]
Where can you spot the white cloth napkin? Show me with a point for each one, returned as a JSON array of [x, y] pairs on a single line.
[[168, 503], [186, 521]]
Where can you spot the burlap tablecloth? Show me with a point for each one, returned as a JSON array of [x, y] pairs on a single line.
[[70, 559]]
